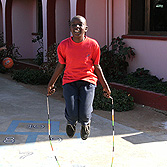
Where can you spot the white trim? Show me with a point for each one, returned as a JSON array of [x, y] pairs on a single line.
[[44, 9], [126, 16], [73, 6], [110, 21], [107, 24], [85, 8], [3, 18]]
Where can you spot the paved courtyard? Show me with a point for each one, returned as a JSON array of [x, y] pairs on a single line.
[[24, 137]]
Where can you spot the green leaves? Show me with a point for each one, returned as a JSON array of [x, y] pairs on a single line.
[[52, 59], [142, 79], [122, 100], [113, 61], [31, 76], [39, 55]]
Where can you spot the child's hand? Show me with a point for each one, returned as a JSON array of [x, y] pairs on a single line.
[[51, 90], [107, 92]]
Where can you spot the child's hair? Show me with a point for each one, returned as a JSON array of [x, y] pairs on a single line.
[[78, 17]]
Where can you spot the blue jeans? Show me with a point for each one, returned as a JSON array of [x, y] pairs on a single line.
[[79, 97]]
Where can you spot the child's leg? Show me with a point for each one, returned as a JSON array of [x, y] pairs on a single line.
[[79, 97], [70, 93], [86, 97]]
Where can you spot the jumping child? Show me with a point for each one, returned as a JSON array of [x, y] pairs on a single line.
[[80, 56]]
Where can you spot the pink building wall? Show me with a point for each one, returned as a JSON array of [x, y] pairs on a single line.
[[150, 54], [119, 17], [23, 25], [96, 20], [62, 23]]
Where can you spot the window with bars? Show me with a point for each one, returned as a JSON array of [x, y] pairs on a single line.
[[147, 17]]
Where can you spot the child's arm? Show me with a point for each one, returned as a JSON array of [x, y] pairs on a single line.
[[59, 69], [102, 80], [2, 48]]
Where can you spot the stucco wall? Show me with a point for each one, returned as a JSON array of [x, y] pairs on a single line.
[[23, 15], [150, 54], [96, 19], [62, 19], [119, 18]]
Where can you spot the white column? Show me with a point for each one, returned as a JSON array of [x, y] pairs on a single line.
[[109, 9], [3, 18], [73, 6], [107, 22], [110, 21], [44, 7]]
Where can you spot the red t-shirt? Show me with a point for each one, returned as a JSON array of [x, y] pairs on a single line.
[[79, 59]]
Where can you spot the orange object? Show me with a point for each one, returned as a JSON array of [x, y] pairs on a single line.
[[7, 62]]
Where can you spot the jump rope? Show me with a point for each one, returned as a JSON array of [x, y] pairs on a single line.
[[112, 124], [113, 128], [49, 125]]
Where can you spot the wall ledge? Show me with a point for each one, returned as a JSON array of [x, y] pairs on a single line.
[[147, 98], [23, 65], [161, 38]]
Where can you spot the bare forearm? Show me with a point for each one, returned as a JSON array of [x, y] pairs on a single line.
[[59, 69], [100, 76], [102, 80]]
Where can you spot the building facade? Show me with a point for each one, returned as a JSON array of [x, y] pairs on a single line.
[[142, 24]]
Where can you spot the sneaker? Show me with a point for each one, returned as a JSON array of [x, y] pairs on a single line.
[[70, 130], [85, 131]]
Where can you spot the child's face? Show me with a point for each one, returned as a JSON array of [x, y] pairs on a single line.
[[78, 27]]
